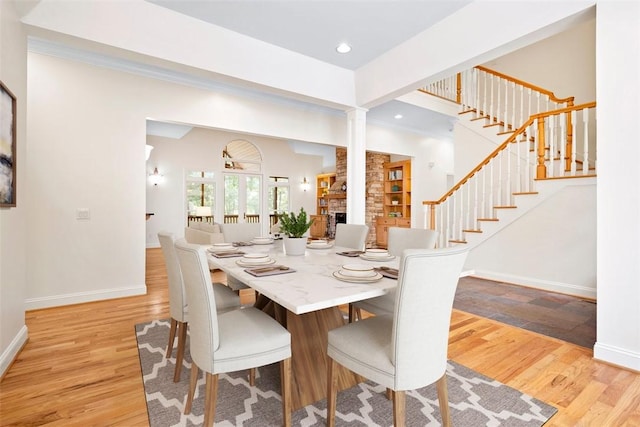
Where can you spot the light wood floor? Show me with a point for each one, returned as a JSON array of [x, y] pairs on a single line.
[[80, 366]]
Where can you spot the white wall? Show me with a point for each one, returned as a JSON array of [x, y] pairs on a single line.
[[87, 132], [201, 150], [564, 63], [552, 247], [13, 245], [618, 96]]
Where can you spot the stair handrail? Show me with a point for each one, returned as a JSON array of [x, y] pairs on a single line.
[[458, 81], [569, 100], [540, 142]]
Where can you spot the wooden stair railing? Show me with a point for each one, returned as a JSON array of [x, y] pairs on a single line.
[[548, 145], [502, 99]]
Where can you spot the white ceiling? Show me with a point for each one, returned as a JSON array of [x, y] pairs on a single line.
[[315, 28]]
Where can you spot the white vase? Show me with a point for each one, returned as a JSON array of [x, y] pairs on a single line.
[[295, 245]]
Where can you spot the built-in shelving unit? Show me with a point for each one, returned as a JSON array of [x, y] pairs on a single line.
[[397, 199], [320, 220]]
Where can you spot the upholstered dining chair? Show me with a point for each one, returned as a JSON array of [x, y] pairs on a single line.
[[178, 308], [407, 349], [231, 341], [399, 240], [353, 236], [240, 232]]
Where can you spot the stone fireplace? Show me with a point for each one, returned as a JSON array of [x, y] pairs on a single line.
[[374, 185]]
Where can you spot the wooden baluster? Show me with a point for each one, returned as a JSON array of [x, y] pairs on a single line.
[[496, 118], [459, 88], [541, 168], [514, 124], [432, 216], [491, 101], [574, 129], [585, 142], [551, 170], [569, 142], [530, 134], [562, 138]]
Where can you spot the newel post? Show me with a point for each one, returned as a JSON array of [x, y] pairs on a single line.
[[541, 168], [432, 215], [458, 88]]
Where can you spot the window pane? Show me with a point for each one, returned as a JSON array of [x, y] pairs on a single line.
[[200, 194], [231, 195], [253, 194]]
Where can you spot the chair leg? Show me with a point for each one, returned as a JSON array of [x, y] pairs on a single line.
[[172, 336], [285, 379], [332, 392], [443, 400], [182, 338], [210, 396], [192, 388], [399, 415], [252, 377]]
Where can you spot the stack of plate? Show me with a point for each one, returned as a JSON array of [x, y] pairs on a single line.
[[319, 244], [359, 273], [220, 248], [262, 240], [255, 260], [377, 255]]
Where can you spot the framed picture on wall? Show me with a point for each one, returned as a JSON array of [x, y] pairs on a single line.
[[7, 147]]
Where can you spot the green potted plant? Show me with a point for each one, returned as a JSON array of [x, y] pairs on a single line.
[[293, 227]]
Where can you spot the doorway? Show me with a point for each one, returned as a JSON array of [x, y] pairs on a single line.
[[242, 198]]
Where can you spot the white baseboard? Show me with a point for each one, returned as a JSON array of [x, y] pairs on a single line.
[[617, 356], [12, 350], [80, 297], [547, 285]]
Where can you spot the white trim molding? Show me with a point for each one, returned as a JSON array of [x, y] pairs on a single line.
[[12, 350], [546, 285], [81, 297], [617, 356]]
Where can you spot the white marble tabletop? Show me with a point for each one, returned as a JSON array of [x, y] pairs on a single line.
[[312, 286]]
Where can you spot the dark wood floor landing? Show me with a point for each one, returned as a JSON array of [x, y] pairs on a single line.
[[565, 317]]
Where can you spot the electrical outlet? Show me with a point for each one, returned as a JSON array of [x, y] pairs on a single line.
[[82, 214]]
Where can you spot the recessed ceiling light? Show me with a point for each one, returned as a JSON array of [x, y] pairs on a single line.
[[343, 48], [397, 116]]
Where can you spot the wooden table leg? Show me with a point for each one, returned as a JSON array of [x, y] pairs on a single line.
[[309, 356]]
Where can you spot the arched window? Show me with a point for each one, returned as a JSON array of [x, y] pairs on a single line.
[[241, 155]]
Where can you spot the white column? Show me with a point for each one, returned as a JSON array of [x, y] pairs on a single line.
[[618, 231], [356, 165]]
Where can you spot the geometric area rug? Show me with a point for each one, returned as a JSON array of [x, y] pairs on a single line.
[[474, 399]]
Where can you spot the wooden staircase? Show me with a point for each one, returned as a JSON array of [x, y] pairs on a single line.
[[539, 139]]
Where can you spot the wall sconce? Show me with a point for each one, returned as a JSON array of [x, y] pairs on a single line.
[[147, 151], [155, 178], [305, 184]]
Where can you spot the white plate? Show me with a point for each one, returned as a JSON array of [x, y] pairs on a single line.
[[357, 270], [256, 256], [262, 242], [351, 279], [360, 275], [319, 246], [242, 263], [377, 258], [377, 252]]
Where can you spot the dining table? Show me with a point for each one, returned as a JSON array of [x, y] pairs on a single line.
[[304, 294]]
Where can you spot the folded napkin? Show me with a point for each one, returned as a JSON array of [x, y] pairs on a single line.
[[350, 253], [391, 273], [242, 244], [227, 254], [269, 271]]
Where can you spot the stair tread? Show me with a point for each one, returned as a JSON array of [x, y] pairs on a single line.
[[505, 207], [457, 241], [525, 193], [473, 231], [488, 219]]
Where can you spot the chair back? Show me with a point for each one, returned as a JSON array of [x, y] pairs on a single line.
[[203, 316], [424, 300], [410, 238], [352, 236], [240, 232], [177, 296]]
